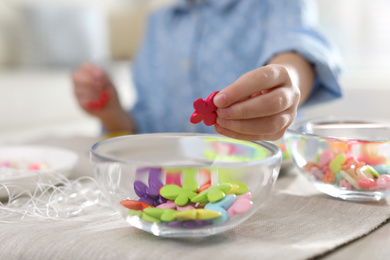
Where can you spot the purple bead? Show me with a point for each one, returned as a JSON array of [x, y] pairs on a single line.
[[153, 192], [175, 224], [140, 188], [188, 224], [147, 199], [161, 200], [195, 223]]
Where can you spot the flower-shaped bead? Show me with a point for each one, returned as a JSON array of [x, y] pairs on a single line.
[[205, 110], [166, 215], [170, 204], [143, 216], [149, 194], [100, 103], [181, 195], [213, 194]]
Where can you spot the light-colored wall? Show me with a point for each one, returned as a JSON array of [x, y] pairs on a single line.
[[359, 28], [65, 33]]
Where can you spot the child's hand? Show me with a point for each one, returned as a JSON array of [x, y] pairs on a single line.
[[94, 91], [260, 105]]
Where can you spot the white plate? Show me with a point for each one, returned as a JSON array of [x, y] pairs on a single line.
[[58, 160]]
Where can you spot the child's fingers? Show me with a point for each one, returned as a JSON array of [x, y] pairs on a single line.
[[259, 126], [270, 103], [249, 137], [86, 94], [229, 133], [82, 79], [253, 82], [89, 79]]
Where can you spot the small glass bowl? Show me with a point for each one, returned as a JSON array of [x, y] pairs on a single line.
[[135, 172], [344, 158]]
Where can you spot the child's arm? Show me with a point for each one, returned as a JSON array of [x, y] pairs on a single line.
[[263, 103], [90, 85]]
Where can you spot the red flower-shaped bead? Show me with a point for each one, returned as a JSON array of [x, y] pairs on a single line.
[[100, 103], [205, 110]]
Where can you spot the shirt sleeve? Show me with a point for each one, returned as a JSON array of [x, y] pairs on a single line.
[[291, 26]]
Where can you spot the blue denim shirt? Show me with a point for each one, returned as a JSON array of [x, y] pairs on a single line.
[[196, 47]]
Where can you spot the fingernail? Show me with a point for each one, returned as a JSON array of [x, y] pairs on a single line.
[[220, 100]]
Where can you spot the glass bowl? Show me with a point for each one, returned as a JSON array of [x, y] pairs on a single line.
[[344, 158], [185, 185]]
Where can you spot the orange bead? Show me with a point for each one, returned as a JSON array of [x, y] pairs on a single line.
[[337, 147], [135, 204], [204, 187], [328, 177], [310, 165]]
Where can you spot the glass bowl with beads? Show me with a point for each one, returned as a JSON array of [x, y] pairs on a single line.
[[346, 158], [185, 185]]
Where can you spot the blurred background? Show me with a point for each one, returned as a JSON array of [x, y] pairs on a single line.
[[42, 41]]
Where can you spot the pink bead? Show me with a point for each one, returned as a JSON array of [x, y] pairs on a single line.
[[317, 172], [5, 164], [325, 168], [367, 183], [345, 184], [241, 205], [325, 158], [186, 207], [34, 166], [170, 204], [383, 182]]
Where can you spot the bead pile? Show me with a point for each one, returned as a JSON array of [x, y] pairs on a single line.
[[182, 202], [14, 168], [188, 197], [341, 166]]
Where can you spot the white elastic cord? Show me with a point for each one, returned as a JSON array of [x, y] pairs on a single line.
[[54, 197]]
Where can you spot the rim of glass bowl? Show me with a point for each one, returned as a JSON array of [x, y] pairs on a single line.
[[295, 128], [275, 152]]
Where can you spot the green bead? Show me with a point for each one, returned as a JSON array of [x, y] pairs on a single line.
[[242, 187]]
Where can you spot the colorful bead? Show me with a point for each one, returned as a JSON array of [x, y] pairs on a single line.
[[212, 194], [351, 170], [184, 207], [205, 111], [166, 215], [241, 205], [143, 216], [325, 158], [383, 182], [328, 177], [344, 184], [337, 163], [149, 194], [181, 195], [135, 204], [367, 183], [100, 103], [197, 214]]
